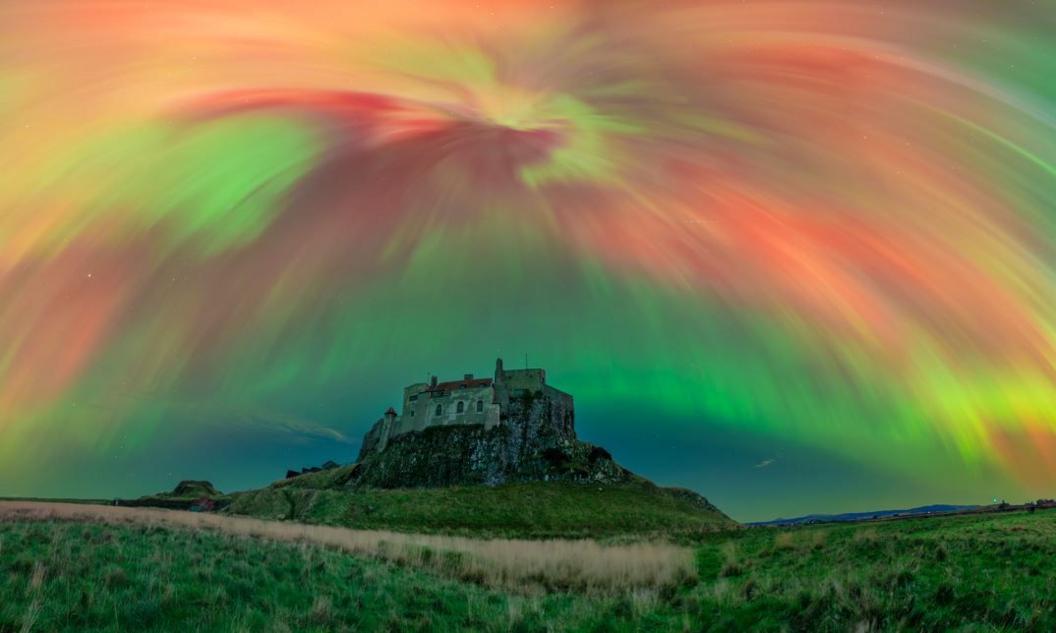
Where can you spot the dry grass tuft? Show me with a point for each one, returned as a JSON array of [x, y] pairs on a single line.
[[322, 610], [784, 541], [37, 579], [554, 565], [867, 535]]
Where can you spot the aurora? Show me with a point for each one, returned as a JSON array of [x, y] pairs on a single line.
[[769, 246]]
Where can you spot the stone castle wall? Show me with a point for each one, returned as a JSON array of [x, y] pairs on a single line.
[[524, 432], [536, 441], [485, 403]]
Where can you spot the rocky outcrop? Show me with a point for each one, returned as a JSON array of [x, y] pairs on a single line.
[[194, 489], [470, 455], [372, 440], [198, 496], [327, 465], [535, 442]]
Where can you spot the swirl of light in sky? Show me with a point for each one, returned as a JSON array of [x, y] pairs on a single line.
[[826, 223]]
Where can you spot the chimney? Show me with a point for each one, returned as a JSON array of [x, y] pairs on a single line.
[[467, 376], [498, 371], [432, 382]]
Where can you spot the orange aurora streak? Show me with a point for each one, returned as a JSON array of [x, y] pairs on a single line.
[[851, 200]]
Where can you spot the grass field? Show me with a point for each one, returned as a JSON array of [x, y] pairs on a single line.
[[968, 573], [527, 510]]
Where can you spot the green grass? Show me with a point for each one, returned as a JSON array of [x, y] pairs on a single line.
[[93, 577], [534, 510], [990, 572], [967, 573]]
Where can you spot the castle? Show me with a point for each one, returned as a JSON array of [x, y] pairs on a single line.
[[485, 402]]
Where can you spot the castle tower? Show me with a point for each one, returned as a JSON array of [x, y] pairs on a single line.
[[386, 428]]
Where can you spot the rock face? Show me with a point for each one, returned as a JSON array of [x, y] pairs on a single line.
[[534, 440], [468, 455]]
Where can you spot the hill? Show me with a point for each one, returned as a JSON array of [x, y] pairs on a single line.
[[525, 509], [493, 455], [193, 489], [187, 495], [868, 516]]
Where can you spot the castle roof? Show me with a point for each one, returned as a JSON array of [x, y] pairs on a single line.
[[468, 383]]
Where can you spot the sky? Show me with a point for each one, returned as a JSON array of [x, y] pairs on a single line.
[[797, 255]]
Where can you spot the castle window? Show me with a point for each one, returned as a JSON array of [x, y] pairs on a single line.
[[480, 406], [412, 413], [439, 409], [461, 407]]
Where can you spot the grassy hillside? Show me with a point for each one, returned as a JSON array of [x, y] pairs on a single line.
[[521, 564], [83, 577], [968, 573], [538, 509], [986, 572]]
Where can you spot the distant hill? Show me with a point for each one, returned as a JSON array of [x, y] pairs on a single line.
[[190, 489], [187, 495], [866, 516]]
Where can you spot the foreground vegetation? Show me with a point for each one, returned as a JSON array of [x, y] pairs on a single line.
[[526, 510], [544, 565], [111, 575], [967, 573], [983, 572], [94, 577]]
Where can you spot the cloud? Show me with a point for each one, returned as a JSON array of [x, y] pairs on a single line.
[[300, 427], [764, 463]]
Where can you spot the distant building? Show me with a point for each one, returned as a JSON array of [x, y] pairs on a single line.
[[469, 401]]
